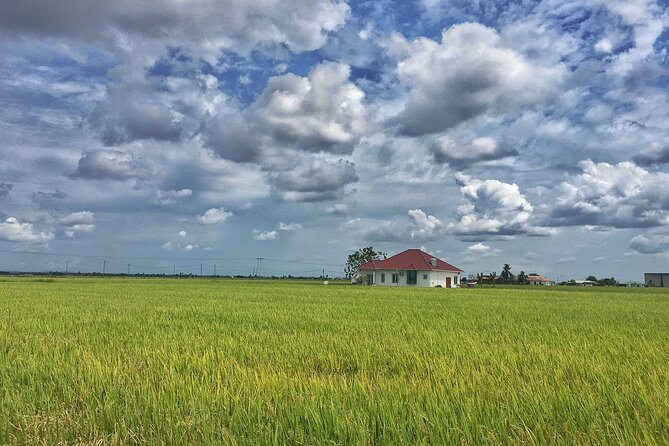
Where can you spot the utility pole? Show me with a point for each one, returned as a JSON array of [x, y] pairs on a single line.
[[174, 270], [200, 270], [128, 269], [214, 269], [323, 276], [259, 266], [67, 266], [253, 274], [104, 267]]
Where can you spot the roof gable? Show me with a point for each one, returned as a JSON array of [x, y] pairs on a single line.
[[411, 259]]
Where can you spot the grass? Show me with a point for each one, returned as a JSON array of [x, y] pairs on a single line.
[[166, 361]]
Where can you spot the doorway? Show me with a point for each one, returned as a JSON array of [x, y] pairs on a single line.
[[448, 282]]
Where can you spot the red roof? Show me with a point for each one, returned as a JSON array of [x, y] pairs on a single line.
[[411, 259], [537, 278]]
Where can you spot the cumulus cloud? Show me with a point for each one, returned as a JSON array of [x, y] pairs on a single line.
[[127, 115], [322, 112], [289, 226], [113, 165], [467, 74], [651, 243], [4, 189], [419, 227], [78, 222], [182, 233], [480, 250], [492, 207], [313, 180], [13, 230], [167, 246], [621, 195], [214, 215], [337, 209], [446, 150], [654, 158], [165, 197], [264, 235], [207, 25]]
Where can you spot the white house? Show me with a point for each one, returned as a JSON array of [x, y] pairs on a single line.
[[412, 267]]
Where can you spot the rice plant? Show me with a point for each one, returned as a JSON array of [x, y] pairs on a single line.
[[135, 361]]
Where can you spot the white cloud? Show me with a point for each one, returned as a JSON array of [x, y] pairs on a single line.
[[468, 74], [446, 150], [419, 227], [656, 242], [167, 246], [190, 247], [621, 195], [214, 215], [322, 112], [337, 209], [13, 230], [206, 26], [492, 207], [482, 250], [182, 233], [83, 217], [265, 235], [313, 180], [289, 226], [165, 197], [111, 164]]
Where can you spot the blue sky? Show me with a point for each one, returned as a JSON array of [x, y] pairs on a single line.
[[534, 133]]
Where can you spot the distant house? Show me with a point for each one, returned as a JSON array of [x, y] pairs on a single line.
[[538, 279], [412, 267], [585, 283], [656, 279]]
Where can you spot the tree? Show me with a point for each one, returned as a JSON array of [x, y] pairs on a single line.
[[479, 277], [506, 275], [591, 278], [522, 278], [493, 276], [359, 257]]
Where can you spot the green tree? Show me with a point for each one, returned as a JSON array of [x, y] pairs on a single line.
[[591, 278], [479, 277], [506, 275], [521, 278], [359, 257], [493, 276]]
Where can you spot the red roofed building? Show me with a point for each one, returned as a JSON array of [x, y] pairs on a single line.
[[412, 267], [538, 279]]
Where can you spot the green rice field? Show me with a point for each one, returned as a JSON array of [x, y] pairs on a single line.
[[97, 361]]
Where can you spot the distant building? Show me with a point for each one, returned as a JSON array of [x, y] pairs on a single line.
[[585, 283], [656, 279], [412, 267], [538, 279]]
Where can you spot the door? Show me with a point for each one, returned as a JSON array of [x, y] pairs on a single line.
[[412, 277], [448, 282]]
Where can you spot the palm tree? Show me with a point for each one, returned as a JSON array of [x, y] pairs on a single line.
[[506, 275], [479, 276], [493, 276], [522, 278]]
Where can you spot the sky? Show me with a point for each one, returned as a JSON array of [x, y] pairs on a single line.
[[203, 132]]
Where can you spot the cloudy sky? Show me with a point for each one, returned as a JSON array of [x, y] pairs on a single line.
[[216, 131]]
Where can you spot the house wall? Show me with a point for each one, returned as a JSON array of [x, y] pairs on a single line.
[[657, 279], [434, 278]]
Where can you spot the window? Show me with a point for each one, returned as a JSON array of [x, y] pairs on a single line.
[[424, 276], [455, 280], [396, 278], [412, 277], [383, 277]]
